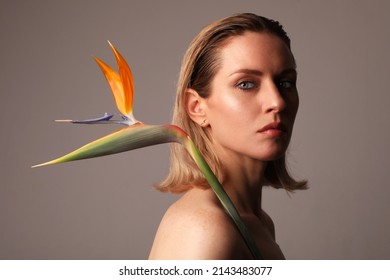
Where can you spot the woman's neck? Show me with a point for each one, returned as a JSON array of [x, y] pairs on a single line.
[[243, 182]]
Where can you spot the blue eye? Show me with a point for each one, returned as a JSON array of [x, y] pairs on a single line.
[[246, 85], [286, 84]]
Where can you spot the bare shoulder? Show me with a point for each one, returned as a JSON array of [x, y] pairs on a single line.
[[196, 227]]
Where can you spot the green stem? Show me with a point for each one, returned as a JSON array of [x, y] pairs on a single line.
[[224, 199]]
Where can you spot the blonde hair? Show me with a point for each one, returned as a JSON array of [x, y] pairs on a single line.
[[200, 63]]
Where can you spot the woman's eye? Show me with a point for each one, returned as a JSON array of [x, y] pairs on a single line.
[[286, 84], [246, 85]]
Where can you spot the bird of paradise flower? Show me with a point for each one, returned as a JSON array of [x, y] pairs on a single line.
[[137, 135]]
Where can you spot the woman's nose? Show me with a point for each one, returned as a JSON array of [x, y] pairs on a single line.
[[273, 99]]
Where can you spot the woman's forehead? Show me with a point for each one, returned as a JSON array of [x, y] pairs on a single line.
[[254, 50]]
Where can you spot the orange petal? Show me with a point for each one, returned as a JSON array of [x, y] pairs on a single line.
[[126, 78], [115, 83]]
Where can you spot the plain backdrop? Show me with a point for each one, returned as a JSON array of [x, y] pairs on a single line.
[[107, 208]]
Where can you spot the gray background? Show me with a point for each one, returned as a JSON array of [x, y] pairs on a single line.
[[106, 208]]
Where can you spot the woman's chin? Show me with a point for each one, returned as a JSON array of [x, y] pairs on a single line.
[[272, 155]]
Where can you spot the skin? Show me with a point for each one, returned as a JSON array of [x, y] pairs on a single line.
[[254, 86]]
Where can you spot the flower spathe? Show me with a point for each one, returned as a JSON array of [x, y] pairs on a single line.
[[137, 135], [121, 83]]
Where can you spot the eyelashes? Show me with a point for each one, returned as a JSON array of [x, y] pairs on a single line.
[[246, 85], [286, 84], [282, 85]]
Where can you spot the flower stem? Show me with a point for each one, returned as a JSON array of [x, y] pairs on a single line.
[[223, 198]]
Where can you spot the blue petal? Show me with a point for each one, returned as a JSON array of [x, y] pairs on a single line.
[[106, 117]]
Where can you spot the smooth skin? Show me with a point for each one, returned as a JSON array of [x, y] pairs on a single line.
[[254, 87]]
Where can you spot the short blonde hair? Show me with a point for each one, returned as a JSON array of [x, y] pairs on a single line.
[[199, 66]]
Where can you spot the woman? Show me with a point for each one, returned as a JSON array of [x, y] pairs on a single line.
[[237, 98]]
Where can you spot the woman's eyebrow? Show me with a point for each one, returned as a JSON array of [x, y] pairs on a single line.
[[247, 71], [259, 73], [288, 71]]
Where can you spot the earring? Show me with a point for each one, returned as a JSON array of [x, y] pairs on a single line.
[[203, 123]]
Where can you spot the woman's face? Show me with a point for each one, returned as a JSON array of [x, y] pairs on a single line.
[[254, 100]]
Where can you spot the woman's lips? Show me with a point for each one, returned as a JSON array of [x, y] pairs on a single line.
[[274, 129]]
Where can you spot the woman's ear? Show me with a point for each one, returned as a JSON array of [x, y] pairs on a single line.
[[195, 106]]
